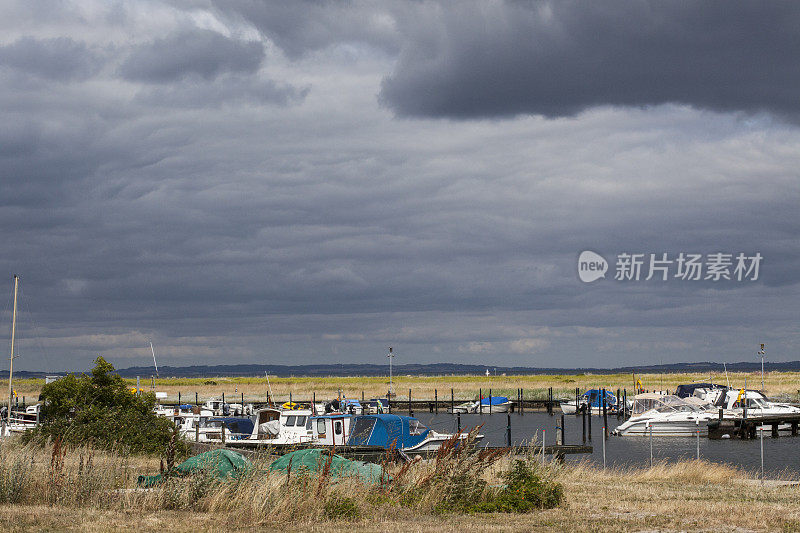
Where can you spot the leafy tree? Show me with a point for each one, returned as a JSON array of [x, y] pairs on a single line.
[[100, 409]]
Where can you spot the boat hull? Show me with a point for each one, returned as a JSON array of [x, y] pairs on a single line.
[[674, 428]]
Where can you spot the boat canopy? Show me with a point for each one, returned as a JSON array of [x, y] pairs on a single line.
[[388, 431], [684, 391], [495, 400], [241, 428], [667, 403], [592, 397]]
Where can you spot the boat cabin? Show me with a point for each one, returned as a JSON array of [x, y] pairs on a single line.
[[331, 429]]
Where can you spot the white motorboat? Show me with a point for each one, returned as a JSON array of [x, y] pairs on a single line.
[[667, 416], [757, 405]]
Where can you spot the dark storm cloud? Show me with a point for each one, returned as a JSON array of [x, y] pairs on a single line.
[[559, 58], [202, 53], [59, 59]]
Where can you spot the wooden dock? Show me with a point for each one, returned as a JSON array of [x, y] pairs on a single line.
[[747, 428]]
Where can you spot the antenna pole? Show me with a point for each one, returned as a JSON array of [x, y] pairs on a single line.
[[390, 356], [154, 358], [11, 359]]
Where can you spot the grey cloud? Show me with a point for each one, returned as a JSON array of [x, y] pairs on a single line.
[[558, 58], [305, 26], [202, 53], [224, 90], [60, 58]]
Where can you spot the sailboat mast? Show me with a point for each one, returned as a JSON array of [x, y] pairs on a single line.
[[11, 359]]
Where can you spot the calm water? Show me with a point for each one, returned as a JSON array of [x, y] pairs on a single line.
[[780, 454]]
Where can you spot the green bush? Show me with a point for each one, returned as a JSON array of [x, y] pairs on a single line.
[[341, 507], [101, 410], [526, 491]]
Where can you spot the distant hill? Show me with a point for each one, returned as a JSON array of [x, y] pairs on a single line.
[[420, 369]]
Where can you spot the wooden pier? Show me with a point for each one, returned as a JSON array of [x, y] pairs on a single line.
[[747, 428]]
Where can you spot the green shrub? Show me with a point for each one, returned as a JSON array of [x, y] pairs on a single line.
[[100, 409], [525, 491], [341, 507]]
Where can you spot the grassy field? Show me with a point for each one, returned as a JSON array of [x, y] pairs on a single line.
[[92, 491], [780, 384]]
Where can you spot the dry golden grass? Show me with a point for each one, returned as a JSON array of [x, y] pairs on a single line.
[[684, 496], [782, 384]]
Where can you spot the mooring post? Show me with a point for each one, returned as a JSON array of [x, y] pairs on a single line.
[[589, 420], [563, 440], [243, 403], [480, 403], [196, 429], [508, 430], [490, 401], [583, 412], [362, 396], [577, 400], [409, 403], [223, 401], [522, 400], [436, 400], [179, 399], [624, 403], [222, 434], [196, 402], [550, 401], [452, 400], [458, 418]]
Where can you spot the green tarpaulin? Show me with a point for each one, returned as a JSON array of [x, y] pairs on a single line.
[[221, 464], [315, 461]]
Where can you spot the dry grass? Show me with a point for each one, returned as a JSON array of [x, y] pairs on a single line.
[[684, 496], [780, 384]]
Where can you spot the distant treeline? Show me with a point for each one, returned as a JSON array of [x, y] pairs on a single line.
[[420, 369]]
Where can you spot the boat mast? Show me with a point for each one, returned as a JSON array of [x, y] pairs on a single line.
[[154, 358], [11, 359]]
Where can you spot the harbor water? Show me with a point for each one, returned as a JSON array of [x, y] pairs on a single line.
[[780, 454]]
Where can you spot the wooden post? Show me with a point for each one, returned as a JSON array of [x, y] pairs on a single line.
[[436, 400], [197, 429], [522, 400], [179, 399], [490, 401], [195, 399], [589, 421], [410, 413], [222, 434], [563, 440], [508, 430], [480, 403], [452, 400], [243, 403], [583, 412]]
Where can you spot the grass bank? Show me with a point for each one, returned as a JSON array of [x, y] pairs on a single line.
[[779, 384], [94, 491]]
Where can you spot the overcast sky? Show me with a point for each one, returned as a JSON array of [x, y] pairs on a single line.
[[297, 182]]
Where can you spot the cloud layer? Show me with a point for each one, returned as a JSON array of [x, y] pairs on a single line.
[[273, 182]]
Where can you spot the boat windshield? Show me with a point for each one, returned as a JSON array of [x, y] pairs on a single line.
[[664, 403], [415, 427], [362, 429]]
